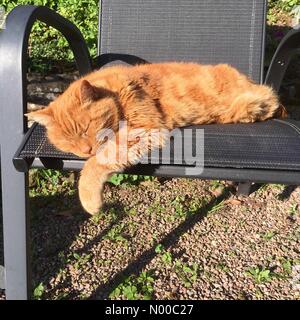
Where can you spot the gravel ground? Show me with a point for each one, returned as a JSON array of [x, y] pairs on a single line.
[[169, 239]]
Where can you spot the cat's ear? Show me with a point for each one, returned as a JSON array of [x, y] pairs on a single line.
[[87, 92], [43, 117]]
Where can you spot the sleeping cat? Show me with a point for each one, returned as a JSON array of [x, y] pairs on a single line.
[[150, 96]]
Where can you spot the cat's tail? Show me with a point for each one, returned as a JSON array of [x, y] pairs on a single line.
[[258, 104]]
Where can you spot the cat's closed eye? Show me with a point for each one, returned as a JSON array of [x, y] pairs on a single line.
[[84, 133]]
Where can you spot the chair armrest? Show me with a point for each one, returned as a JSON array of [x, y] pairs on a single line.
[[13, 68], [14, 43], [280, 61], [19, 24]]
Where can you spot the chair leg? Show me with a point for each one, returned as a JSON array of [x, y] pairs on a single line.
[[13, 97], [244, 188], [15, 232]]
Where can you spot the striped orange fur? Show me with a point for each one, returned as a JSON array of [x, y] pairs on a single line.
[[150, 96]]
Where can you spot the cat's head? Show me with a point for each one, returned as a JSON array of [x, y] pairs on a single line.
[[74, 118]]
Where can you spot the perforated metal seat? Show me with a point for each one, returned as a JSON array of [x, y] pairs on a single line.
[[273, 144]]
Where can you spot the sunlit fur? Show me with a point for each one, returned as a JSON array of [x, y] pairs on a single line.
[[166, 95]]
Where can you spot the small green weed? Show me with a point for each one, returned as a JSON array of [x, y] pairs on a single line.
[[81, 260], [135, 287], [293, 210], [268, 235], [187, 274], [260, 274], [166, 256], [38, 291], [115, 234], [120, 178], [216, 207], [216, 184], [45, 182]]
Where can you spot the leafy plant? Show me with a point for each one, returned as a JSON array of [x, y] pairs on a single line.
[[187, 274], [115, 234], [38, 291], [268, 235], [109, 216], [50, 182], [179, 209], [135, 287], [166, 256], [119, 178], [288, 5], [293, 210], [81, 260], [287, 267], [216, 207], [285, 5], [260, 274], [216, 184], [47, 44]]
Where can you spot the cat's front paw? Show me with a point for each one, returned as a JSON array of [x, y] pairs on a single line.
[[91, 208], [90, 200]]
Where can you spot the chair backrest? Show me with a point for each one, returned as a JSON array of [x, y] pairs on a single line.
[[204, 31]]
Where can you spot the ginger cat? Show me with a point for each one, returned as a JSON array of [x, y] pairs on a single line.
[[149, 96]]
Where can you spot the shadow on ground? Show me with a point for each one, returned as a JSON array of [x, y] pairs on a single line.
[[135, 267]]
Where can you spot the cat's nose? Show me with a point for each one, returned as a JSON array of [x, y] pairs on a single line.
[[85, 148]]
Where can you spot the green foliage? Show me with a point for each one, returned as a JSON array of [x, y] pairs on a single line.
[[177, 203], [38, 291], [45, 182], [135, 288], [187, 274], [293, 210], [119, 178], [81, 260], [166, 256], [260, 274], [287, 267], [48, 44], [268, 235], [217, 206], [280, 8], [115, 234], [286, 5], [216, 184]]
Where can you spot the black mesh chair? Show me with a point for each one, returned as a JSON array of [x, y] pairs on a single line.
[[136, 31]]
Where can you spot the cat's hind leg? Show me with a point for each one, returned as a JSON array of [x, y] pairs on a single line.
[[258, 104]]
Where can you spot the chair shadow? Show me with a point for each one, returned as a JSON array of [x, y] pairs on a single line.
[[135, 267], [44, 248], [286, 193]]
